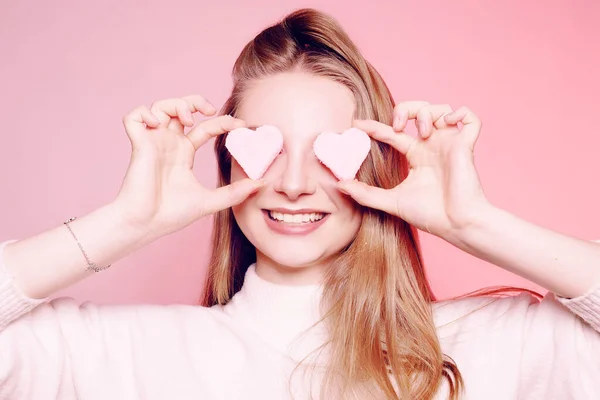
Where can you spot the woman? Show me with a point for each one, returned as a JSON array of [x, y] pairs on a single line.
[[337, 306]]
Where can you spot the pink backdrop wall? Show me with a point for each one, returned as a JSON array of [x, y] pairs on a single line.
[[69, 70]]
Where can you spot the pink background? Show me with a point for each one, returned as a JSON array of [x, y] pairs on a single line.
[[70, 70]]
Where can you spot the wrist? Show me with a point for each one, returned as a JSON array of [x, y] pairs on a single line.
[[482, 219], [136, 231], [53, 260]]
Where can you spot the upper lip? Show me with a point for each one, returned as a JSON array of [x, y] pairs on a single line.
[[297, 211]]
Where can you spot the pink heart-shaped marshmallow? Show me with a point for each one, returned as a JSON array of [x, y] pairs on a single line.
[[343, 153], [254, 150]]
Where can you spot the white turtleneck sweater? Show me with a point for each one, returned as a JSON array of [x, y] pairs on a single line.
[[514, 348]]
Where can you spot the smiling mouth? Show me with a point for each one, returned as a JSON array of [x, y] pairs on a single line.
[[296, 219]]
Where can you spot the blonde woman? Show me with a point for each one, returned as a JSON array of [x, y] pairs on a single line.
[[333, 304]]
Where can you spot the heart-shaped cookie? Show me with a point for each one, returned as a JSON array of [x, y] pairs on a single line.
[[254, 150], [343, 153]]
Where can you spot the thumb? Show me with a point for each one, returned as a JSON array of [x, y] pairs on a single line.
[[368, 196], [231, 195]]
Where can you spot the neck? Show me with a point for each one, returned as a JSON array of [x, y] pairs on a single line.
[[280, 314]]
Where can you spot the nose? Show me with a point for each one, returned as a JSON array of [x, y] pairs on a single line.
[[295, 178]]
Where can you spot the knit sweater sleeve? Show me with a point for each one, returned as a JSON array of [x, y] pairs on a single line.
[[37, 338], [587, 306], [63, 349], [560, 356], [13, 302], [523, 347]]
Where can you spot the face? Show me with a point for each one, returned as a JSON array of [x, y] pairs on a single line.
[[299, 221]]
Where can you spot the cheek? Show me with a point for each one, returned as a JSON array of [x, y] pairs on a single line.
[[237, 173], [350, 211], [243, 216], [344, 203], [245, 213]]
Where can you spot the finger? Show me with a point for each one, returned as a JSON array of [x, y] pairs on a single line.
[[149, 119], [430, 117], [471, 124], [438, 112], [384, 133], [424, 122], [212, 128], [426, 116], [170, 109], [194, 103], [405, 111], [231, 195], [135, 121], [368, 196], [185, 114], [162, 116], [183, 117], [199, 104], [400, 120]]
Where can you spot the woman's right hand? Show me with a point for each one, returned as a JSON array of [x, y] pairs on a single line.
[[160, 193]]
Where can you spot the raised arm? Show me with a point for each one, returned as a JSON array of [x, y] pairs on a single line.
[[159, 195], [443, 196]]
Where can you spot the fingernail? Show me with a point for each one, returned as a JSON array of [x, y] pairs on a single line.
[[422, 127], [342, 189]]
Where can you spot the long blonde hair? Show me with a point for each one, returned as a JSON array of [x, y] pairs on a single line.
[[382, 334]]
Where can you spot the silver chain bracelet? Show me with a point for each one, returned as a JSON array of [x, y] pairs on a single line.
[[91, 266]]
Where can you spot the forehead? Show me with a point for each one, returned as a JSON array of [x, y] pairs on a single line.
[[298, 104]]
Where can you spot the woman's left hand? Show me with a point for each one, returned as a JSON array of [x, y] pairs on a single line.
[[442, 193]]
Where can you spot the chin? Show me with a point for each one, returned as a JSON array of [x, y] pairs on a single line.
[[296, 257]]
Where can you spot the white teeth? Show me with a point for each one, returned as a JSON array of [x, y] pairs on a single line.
[[295, 218]]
